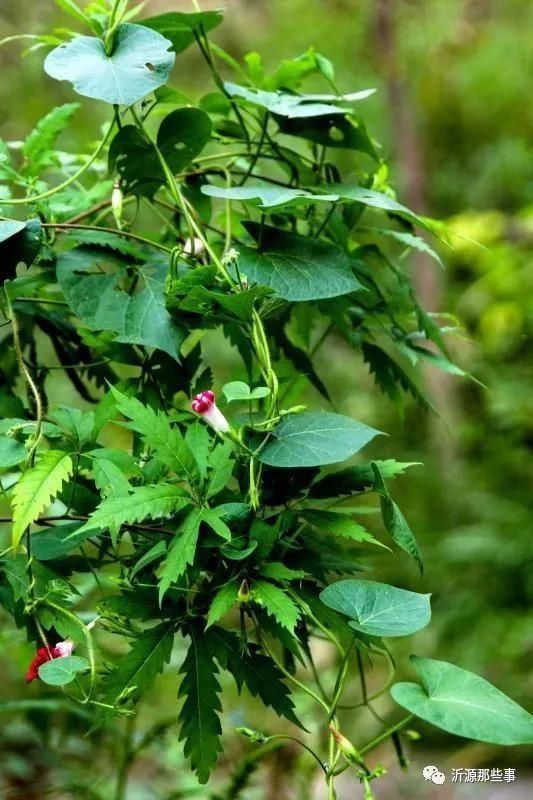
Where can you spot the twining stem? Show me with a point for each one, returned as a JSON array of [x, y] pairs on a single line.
[[386, 735], [73, 178], [180, 200], [66, 226]]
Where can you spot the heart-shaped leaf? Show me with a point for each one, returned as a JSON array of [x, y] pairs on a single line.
[[238, 390], [12, 452], [460, 702], [181, 137], [266, 195], [19, 243], [378, 609], [315, 438], [63, 670], [295, 267], [141, 61]]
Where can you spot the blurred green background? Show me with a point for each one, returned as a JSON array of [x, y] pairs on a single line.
[[454, 116]]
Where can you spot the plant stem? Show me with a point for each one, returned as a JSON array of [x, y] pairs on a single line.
[[388, 733], [126, 234], [73, 178]]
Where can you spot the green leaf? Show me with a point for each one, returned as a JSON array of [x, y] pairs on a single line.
[[145, 502], [279, 572], [222, 602], [200, 725], [198, 441], [356, 479], [394, 520], [213, 518], [70, 7], [181, 137], [459, 702], [37, 145], [276, 603], [295, 267], [137, 671], [335, 132], [254, 670], [110, 479], [238, 390], [180, 28], [139, 64], [378, 609], [95, 297], [165, 439], [181, 551], [37, 488], [62, 670], [57, 541], [20, 242], [12, 452], [221, 463], [268, 196], [372, 199], [408, 240], [74, 423], [294, 105], [315, 438], [153, 554], [338, 524]]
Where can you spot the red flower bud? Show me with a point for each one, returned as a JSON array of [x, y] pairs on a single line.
[[204, 404]]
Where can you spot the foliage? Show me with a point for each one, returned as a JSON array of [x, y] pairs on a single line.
[[225, 537]]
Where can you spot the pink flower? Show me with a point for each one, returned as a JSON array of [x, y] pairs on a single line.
[[204, 404], [45, 654]]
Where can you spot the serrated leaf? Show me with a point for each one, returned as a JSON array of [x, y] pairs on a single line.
[[145, 502], [395, 522], [338, 524], [254, 670], [278, 571], [37, 488], [198, 441], [222, 602], [295, 267], [140, 62], [378, 609], [158, 550], [356, 479], [165, 439], [460, 702], [276, 603], [200, 725], [408, 240], [76, 425], [181, 551], [314, 438], [137, 671], [222, 464], [37, 145], [62, 670], [110, 480], [213, 517]]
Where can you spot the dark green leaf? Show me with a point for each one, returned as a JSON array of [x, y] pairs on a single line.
[[295, 267], [20, 242], [181, 137], [200, 725], [394, 520], [338, 524], [315, 438], [181, 551], [12, 452]]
